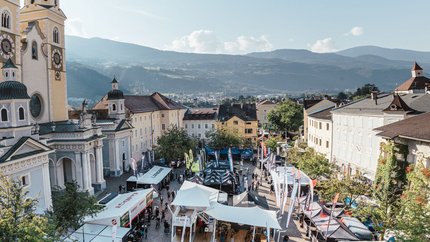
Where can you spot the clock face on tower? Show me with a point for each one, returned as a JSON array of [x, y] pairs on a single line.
[[57, 59], [7, 46]]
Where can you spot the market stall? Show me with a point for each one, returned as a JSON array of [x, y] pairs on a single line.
[[157, 176], [98, 233], [124, 208]]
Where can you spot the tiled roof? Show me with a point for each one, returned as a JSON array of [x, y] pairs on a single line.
[[60, 127], [142, 104], [367, 106], [321, 105], [201, 114], [309, 103], [398, 105], [415, 127], [323, 114], [414, 83], [246, 112], [265, 102]]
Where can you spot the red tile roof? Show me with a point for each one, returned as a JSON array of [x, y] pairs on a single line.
[[416, 67]]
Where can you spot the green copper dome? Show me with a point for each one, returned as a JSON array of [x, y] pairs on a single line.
[[13, 90]]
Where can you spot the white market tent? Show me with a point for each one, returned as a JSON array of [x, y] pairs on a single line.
[[123, 207], [253, 216], [95, 233], [201, 195], [153, 176], [287, 171]]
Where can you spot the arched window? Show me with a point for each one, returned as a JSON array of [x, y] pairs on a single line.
[[5, 19], [34, 51], [113, 107], [56, 36], [4, 115], [21, 115]]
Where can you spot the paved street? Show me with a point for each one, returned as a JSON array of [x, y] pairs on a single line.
[[154, 234]]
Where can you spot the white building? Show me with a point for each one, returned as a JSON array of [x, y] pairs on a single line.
[[263, 109], [22, 155], [413, 132], [356, 147], [355, 143], [200, 122], [320, 127]]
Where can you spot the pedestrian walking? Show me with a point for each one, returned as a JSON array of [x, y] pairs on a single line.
[[173, 195], [168, 195], [161, 200], [120, 189], [146, 231], [157, 224]]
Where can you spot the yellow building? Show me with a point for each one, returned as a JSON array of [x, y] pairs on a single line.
[[150, 116], [239, 118]]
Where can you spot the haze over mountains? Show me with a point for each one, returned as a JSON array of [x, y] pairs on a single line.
[[92, 63]]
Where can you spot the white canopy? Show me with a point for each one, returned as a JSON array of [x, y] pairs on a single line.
[[124, 206], [153, 176], [195, 195], [253, 216], [95, 232], [287, 171]]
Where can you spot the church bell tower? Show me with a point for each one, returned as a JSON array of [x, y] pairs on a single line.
[[49, 18]]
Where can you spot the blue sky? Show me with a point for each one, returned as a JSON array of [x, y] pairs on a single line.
[[241, 26]]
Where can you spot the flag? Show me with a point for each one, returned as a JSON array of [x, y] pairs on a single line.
[[230, 159], [264, 149], [293, 200], [216, 157], [133, 165], [312, 184], [336, 197]]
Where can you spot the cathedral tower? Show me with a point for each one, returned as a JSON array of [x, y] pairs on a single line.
[[10, 34], [48, 89]]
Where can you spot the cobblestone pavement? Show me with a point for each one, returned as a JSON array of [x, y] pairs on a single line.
[[294, 231]]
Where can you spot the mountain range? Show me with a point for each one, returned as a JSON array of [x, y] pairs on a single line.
[[92, 63]]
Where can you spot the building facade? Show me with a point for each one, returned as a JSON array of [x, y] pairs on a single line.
[[263, 109], [313, 106], [200, 122], [320, 132], [150, 116], [239, 118], [413, 133]]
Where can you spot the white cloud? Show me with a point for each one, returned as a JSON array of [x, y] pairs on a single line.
[[323, 45], [356, 31], [206, 41], [75, 27]]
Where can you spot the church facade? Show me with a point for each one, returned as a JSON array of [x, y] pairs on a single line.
[[39, 144]]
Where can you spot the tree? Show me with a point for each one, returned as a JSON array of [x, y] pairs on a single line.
[[310, 162], [364, 91], [349, 187], [272, 142], [70, 207], [387, 188], [287, 115], [342, 96], [18, 220], [414, 217], [223, 138], [174, 143]]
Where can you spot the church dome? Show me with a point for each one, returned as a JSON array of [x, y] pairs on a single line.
[[13, 90], [115, 94]]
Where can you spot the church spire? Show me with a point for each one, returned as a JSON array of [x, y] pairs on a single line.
[[416, 70], [9, 70]]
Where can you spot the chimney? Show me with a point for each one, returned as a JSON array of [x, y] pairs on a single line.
[[374, 96]]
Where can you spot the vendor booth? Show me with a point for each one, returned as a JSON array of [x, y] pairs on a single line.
[[124, 208], [188, 211], [250, 199], [157, 176], [98, 233]]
